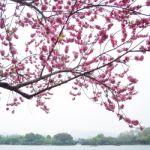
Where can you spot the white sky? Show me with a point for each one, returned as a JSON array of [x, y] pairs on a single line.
[[80, 117]]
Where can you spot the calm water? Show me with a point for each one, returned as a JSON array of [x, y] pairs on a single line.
[[78, 147]]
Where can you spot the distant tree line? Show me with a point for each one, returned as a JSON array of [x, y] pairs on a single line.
[[132, 137], [37, 139]]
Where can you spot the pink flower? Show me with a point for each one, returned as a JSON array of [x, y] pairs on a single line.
[[13, 51], [2, 52], [44, 7], [120, 116], [139, 58], [14, 61], [59, 20], [126, 59], [44, 48], [42, 57], [102, 36], [79, 36], [76, 54], [16, 36], [135, 122], [21, 67], [141, 128], [132, 79], [109, 106], [148, 2], [2, 23], [29, 15], [66, 49], [83, 48], [113, 41], [125, 1], [112, 106], [49, 68], [121, 106], [73, 94], [128, 120]]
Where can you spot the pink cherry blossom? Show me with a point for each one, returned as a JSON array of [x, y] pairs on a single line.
[[2, 52], [88, 45], [132, 79], [2, 23], [135, 122], [148, 2]]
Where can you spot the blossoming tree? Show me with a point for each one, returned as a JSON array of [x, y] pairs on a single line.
[[46, 44]]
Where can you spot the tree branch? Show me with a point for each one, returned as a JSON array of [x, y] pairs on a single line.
[[111, 6], [7, 86], [29, 3], [40, 78]]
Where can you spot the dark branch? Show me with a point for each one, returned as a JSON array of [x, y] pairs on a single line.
[[29, 3], [7, 86], [41, 78], [112, 6]]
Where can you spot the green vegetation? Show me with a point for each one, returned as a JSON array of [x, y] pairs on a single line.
[[37, 139], [127, 138], [63, 139]]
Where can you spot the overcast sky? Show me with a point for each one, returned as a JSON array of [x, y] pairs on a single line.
[[80, 117]]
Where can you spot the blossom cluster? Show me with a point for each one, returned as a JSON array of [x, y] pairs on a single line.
[[89, 43]]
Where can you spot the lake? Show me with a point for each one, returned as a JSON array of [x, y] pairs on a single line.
[[77, 147]]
